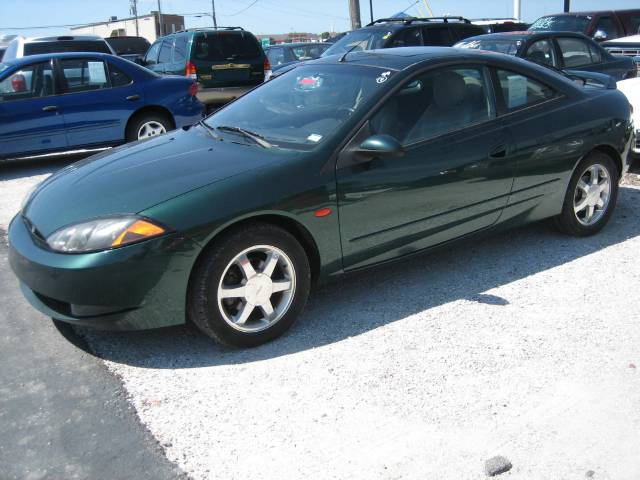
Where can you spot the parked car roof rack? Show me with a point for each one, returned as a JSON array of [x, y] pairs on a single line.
[[410, 20]]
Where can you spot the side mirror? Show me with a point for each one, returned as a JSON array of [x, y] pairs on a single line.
[[383, 146], [600, 35], [140, 61]]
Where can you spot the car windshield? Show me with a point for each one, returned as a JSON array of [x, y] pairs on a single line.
[[359, 40], [129, 45], [217, 46], [510, 47], [304, 107], [566, 23]]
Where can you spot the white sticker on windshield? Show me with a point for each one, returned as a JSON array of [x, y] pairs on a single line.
[[314, 137], [517, 85], [96, 72], [383, 77]]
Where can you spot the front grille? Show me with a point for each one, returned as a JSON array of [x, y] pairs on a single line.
[[627, 52]]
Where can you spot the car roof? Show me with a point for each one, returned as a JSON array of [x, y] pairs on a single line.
[[526, 35], [403, 57], [62, 38], [41, 57], [299, 44]]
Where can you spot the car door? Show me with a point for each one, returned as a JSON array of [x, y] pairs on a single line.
[[607, 28], [582, 54], [454, 177], [30, 118], [96, 103]]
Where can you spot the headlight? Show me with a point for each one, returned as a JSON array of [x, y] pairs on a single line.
[[103, 234]]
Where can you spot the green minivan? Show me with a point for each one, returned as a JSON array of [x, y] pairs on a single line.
[[226, 62]]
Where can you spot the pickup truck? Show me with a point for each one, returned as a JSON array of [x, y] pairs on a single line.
[[600, 25]]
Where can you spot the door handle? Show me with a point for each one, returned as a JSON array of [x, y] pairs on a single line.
[[133, 98], [498, 152], [50, 108]]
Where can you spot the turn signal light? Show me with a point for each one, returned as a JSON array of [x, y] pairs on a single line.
[[190, 70], [138, 230]]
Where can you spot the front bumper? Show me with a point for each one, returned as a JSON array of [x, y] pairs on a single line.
[[130, 288], [219, 96]]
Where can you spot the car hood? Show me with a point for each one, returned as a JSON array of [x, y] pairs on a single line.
[[133, 178]]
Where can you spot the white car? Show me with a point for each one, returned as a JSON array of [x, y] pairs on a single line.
[[631, 88]]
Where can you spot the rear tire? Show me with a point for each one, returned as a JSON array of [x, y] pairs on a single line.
[[250, 286], [591, 196], [146, 125]]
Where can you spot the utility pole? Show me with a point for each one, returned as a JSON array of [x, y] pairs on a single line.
[[213, 13], [371, 9], [516, 9], [160, 19], [354, 13], [134, 12], [567, 5]]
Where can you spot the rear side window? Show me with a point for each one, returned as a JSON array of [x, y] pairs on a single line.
[[575, 52], [83, 74], [117, 77], [29, 82], [439, 36], [411, 37], [180, 49], [221, 46], [98, 46], [519, 91], [466, 31], [165, 52]]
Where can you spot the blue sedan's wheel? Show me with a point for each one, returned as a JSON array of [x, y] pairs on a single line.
[[147, 125], [591, 196], [250, 286]]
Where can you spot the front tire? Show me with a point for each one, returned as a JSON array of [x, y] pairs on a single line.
[[250, 286], [591, 196]]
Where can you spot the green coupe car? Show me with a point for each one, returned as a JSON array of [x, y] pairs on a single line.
[[339, 164]]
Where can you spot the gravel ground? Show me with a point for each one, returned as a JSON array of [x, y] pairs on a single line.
[[524, 345]]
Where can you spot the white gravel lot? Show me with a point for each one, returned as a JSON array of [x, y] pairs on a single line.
[[523, 345]]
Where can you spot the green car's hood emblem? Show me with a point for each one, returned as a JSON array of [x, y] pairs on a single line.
[[130, 179]]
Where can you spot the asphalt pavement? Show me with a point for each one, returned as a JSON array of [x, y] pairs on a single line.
[[63, 415]]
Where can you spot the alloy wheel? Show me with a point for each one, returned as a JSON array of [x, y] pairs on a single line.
[[256, 288], [151, 129], [592, 194]]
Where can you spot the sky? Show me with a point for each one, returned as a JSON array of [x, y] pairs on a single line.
[[267, 16]]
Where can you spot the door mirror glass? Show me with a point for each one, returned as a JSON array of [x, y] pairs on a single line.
[[381, 146], [600, 35]]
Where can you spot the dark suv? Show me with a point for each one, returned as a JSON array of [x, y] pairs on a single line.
[[406, 32], [226, 62]]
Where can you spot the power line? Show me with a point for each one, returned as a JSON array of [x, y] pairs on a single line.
[[239, 11]]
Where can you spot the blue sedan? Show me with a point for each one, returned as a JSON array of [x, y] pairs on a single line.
[[87, 101]]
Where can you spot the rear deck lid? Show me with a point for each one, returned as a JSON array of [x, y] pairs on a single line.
[[227, 58]]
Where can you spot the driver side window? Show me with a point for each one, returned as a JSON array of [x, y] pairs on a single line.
[[436, 103], [151, 58]]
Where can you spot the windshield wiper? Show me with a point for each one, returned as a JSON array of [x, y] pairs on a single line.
[[256, 137]]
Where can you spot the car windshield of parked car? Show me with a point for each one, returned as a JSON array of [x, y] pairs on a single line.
[[567, 23], [35, 48], [509, 47], [218, 46], [304, 107], [129, 45], [359, 40]]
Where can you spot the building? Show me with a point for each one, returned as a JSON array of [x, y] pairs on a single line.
[[148, 26]]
